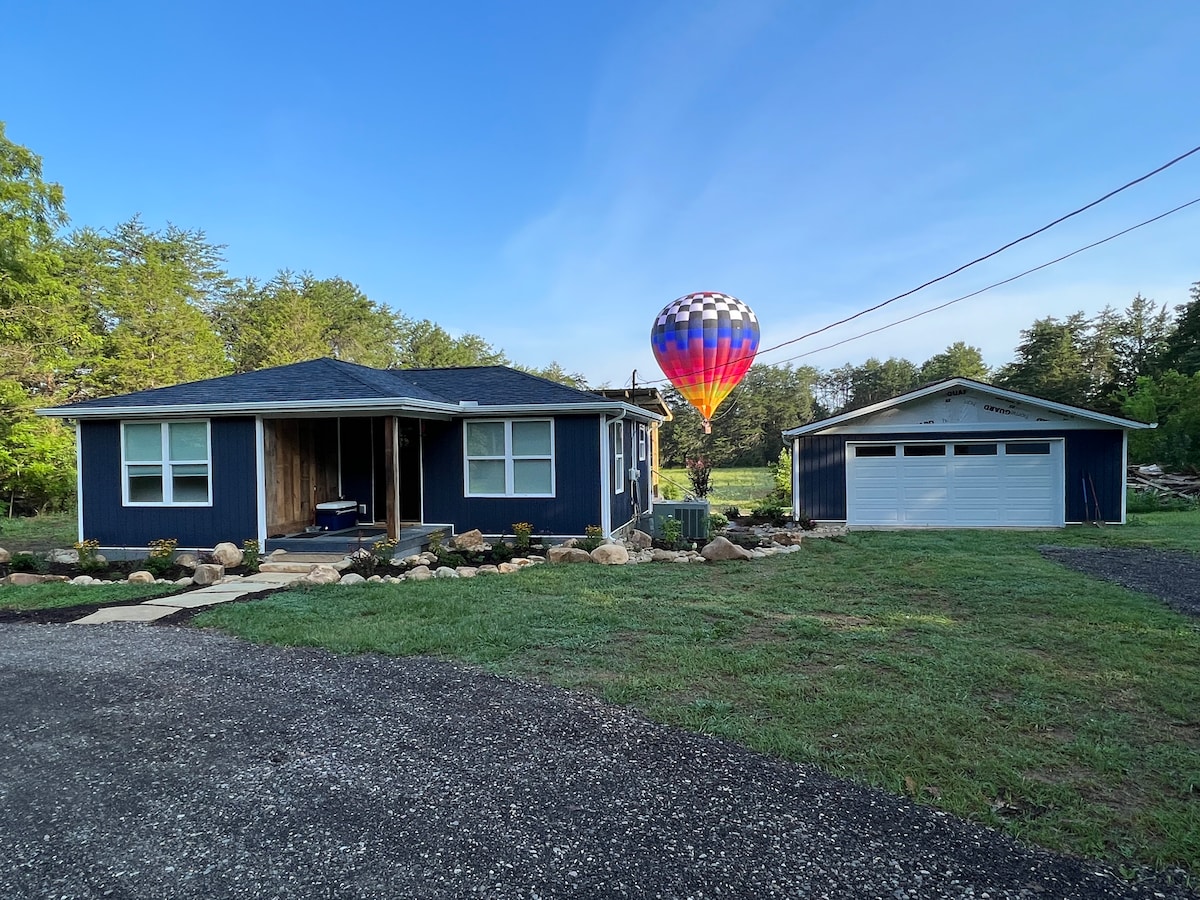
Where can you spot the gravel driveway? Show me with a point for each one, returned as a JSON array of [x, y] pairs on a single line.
[[1172, 576], [166, 762]]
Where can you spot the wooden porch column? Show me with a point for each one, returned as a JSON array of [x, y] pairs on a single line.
[[392, 477]]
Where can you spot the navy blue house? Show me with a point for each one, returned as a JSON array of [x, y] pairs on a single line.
[[961, 454], [277, 452]]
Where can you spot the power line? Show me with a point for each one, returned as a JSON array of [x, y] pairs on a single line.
[[964, 266], [997, 284]]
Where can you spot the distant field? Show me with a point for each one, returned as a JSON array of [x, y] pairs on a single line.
[[35, 534], [743, 488]]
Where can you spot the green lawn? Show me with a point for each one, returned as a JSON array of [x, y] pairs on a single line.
[[744, 488], [53, 594], [960, 668], [38, 533]]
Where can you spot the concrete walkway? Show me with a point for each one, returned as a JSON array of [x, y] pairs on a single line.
[[222, 592]]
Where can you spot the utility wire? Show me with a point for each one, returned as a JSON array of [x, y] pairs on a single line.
[[1045, 265], [961, 268]]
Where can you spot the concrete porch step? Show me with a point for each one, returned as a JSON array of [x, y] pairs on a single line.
[[297, 563]]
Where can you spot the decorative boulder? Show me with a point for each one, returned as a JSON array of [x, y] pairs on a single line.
[[140, 577], [63, 557], [568, 555], [82, 579], [507, 568], [467, 571], [488, 570], [639, 540], [723, 548], [5, 556], [323, 575], [27, 578], [468, 540], [420, 573], [352, 578], [187, 561], [227, 554], [610, 555], [209, 573], [787, 538], [445, 572]]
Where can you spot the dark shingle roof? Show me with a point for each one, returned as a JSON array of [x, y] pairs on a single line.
[[340, 382]]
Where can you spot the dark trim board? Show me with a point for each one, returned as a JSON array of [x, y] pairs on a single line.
[[1095, 457]]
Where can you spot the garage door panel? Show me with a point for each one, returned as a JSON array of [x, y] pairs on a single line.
[[966, 487]]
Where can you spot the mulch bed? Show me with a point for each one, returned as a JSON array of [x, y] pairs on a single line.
[[1172, 576]]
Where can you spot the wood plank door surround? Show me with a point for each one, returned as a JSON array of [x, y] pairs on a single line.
[[301, 460]]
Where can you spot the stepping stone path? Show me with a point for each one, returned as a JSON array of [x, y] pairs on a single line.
[[273, 575]]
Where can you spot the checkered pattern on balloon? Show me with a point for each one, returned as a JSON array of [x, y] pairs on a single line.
[[704, 343]]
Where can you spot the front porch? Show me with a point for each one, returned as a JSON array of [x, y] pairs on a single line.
[[411, 538]]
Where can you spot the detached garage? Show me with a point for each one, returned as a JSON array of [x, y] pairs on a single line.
[[961, 454]]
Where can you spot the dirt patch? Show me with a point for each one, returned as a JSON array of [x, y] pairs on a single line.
[[1172, 576]]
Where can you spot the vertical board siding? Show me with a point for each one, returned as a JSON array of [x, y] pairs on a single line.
[[1088, 452], [232, 517], [576, 503], [357, 470], [621, 505]]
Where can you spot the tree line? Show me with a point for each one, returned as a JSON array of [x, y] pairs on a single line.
[[93, 312]]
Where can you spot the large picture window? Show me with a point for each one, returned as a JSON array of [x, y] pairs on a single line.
[[165, 464], [509, 458]]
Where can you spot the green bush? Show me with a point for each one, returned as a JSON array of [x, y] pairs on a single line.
[[669, 491], [716, 522], [27, 562], [770, 512]]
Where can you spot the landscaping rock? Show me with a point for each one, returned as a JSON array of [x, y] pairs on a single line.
[[488, 570], [720, 548], [445, 572], [787, 538], [507, 568], [566, 554], [63, 557], [141, 576], [187, 561], [27, 578], [420, 573], [82, 579], [227, 554], [323, 575], [352, 578], [467, 571], [208, 573], [659, 555], [610, 555], [468, 540], [639, 540], [375, 579], [5, 556], [343, 564], [187, 579]]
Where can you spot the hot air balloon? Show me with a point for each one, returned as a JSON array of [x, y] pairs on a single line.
[[704, 343]]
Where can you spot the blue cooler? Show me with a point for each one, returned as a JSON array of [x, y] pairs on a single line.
[[336, 515]]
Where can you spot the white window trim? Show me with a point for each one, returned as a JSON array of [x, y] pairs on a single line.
[[166, 463], [642, 429], [508, 458], [618, 442]]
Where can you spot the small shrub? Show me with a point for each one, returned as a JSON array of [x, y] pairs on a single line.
[[781, 476], [716, 522], [669, 491], [251, 554], [700, 475], [672, 532], [87, 556], [382, 550], [731, 513], [522, 531], [435, 542], [162, 556], [594, 538], [770, 512], [27, 562]]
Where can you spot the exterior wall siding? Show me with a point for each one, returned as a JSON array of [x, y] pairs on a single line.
[[574, 506], [621, 505], [233, 515], [1092, 456]]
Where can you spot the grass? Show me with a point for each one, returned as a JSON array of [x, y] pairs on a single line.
[[743, 488], [959, 668], [38, 533], [56, 594]]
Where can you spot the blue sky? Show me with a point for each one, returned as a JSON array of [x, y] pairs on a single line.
[[551, 174]]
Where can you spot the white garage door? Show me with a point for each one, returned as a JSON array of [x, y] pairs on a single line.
[[955, 484]]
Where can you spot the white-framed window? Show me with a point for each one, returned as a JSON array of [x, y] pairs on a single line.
[[508, 457], [642, 429], [166, 463], [618, 445]]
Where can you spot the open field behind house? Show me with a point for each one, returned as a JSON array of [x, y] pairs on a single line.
[[744, 488], [38, 533], [958, 667]]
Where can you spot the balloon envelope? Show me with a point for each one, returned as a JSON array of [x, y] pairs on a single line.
[[704, 343]]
